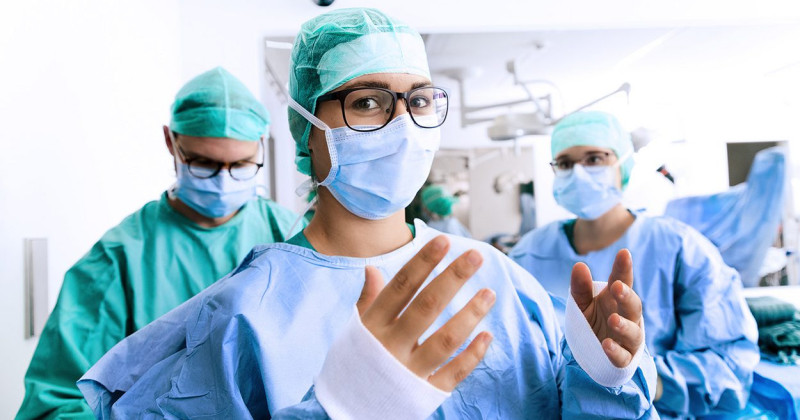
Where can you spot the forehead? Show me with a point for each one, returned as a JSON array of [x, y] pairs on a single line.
[[400, 82], [581, 151]]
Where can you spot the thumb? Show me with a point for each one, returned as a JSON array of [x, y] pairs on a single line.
[[581, 286], [373, 284]]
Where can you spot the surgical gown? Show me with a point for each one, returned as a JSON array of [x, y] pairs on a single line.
[[250, 345], [139, 270], [742, 222], [697, 323]]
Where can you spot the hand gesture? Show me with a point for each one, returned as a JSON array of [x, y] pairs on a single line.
[[380, 309], [615, 314]]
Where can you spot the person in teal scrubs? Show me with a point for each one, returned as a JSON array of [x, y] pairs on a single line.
[[167, 251]]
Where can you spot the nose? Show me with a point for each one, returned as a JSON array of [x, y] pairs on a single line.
[[401, 107]]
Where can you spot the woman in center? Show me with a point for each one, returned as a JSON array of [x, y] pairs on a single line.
[[311, 328]]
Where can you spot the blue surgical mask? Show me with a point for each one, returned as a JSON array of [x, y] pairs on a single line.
[[377, 173], [588, 192], [213, 197]]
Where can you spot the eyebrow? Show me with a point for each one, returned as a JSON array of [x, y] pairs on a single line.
[[420, 84], [590, 152], [367, 83], [384, 85], [195, 156]]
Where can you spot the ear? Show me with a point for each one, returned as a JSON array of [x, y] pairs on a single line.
[[168, 140]]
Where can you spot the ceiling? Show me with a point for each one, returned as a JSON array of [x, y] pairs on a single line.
[[587, 63], [607, 57]]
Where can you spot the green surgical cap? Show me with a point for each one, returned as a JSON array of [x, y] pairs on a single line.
[[437, 200], [336, 47], [594, 128], [216, 104]]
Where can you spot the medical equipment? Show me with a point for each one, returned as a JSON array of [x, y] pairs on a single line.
[[512, 125]]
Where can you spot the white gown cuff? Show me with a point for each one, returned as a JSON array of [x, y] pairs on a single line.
[[360, 379], [588, 351]]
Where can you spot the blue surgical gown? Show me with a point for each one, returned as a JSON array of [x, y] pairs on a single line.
[[697, 323], [743, 221], [250, 345]]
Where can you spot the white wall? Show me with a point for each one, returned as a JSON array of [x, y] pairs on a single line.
[[86, 87]]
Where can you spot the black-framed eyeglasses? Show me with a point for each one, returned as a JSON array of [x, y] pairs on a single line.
[[565, 164], [204, 168], [371, 108]]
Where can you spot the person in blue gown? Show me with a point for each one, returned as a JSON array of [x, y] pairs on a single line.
[[743, 221], [698, 325], [312, 329]]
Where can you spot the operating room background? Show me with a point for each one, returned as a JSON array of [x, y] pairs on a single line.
[[87, 86]]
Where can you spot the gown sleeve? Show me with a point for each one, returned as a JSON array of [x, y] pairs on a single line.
[[710, 369], [89, 318], [581, 396]]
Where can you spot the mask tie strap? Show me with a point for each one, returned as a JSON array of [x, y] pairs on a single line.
[[306, 187], [307, 115], [300, 217], [328, 138], [624, 157]]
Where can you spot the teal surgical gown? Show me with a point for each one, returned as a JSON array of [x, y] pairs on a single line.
[[697, 323], [250, 345], [139, 270]]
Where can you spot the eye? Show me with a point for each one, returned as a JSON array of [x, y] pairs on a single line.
[[419, 101], [595, 160], [563, 164], [205, 163], [242, 164], [365, 104]]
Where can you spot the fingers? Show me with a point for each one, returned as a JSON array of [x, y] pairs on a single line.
[[396, 295], [581, 286], [430, 302], [444, 342], [451, 374], [629, 305], [625, 326], [622, 268], [373, 283], [625, 333], [618, 356]]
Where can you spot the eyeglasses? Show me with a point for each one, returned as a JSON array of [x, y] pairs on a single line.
[[205, 168], [564, 164], [370, 109]]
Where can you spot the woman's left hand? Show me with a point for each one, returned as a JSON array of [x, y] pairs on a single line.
[[615, 314]]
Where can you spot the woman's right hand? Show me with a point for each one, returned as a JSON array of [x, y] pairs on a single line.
[[382, 313]]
